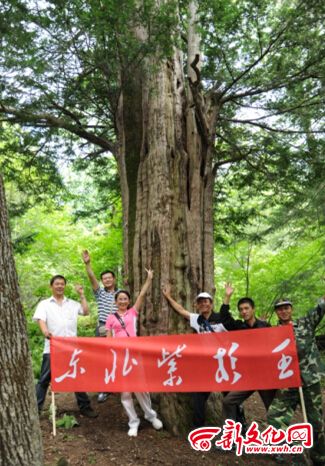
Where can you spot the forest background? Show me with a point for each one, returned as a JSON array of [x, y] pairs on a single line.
[[267, 243]]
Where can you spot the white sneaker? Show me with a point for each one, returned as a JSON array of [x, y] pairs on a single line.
[[157, 424], [133, 432]]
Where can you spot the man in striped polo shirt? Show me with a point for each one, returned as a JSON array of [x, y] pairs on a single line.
[[104, 296]]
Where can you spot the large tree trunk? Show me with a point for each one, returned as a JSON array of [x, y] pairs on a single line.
[[20, 437], [165, 165]]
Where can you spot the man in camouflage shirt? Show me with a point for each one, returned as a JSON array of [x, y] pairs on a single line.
[[283, 407]]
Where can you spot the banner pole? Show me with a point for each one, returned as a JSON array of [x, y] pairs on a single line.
[[53, 414], [303, 406], [304, 415]]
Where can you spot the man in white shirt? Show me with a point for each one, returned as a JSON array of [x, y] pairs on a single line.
[[58, 316]]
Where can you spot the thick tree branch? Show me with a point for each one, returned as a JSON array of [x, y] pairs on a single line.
[[196, 70], [67, 112], [95, 154], [200, 114], [199, 103], [296, 77], [282, 111], [314, 100], [46, 119], [270, 128], [237, 156]]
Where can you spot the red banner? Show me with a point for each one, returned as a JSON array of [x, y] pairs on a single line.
[[228, 361]]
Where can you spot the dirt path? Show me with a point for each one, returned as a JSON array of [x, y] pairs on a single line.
[[104, 441]]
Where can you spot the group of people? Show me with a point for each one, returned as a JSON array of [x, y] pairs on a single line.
[[58, 316], [117, 318], [280, 405]]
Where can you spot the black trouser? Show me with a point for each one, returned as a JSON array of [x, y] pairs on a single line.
[[44, 382], [233, 399], [199, 402]]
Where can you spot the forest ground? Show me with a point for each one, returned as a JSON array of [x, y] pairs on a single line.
[[104, 441]]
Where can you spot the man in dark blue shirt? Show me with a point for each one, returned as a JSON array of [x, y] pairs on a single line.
[[246, 309]]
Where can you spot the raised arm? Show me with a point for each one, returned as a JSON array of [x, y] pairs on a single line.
[[317, 314], [92, 278], [228, 293], [225, 316], [177, 307], [137, 305], [83, 301]]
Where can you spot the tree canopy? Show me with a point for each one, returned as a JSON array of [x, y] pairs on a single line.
[[262, 69]]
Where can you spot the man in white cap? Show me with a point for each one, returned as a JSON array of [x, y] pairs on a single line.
[[206, 321]]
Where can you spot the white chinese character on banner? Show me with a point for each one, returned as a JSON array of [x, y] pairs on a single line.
[[127, 370], [284, 361], [170, 358], [72, 373], [222, 373], [127, 366], [110, 376]]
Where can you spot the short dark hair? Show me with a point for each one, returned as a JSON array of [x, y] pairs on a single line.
[[246, 300], [122, 291], [57, 276], [107, 271]]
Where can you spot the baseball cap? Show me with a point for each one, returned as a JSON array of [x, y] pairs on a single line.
[[282, 302], [204, 295]]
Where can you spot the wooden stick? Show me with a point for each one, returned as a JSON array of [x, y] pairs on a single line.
[[304, 415], [303, 406], [53, 414]]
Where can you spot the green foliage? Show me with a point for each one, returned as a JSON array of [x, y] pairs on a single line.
[[67, 422], [71, 57], [57, 246], [96, 179], [92, 459], [268, 244], [63, 66], [57, 249], [295, 271], [30, 175]]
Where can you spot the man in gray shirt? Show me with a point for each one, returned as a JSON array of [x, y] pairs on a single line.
[[104, 296]]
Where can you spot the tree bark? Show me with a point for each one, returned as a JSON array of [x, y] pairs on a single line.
[[20, 437], [165, 166]]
